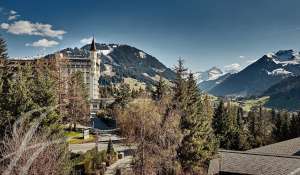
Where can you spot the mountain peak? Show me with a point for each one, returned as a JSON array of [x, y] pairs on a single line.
[[286, 55], [211, 74]]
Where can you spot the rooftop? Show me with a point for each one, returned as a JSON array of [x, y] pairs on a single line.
[[279, 158]]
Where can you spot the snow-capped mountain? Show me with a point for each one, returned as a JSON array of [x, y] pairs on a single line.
[[120, 62], [209, 84], [261, 75], [211, 74]]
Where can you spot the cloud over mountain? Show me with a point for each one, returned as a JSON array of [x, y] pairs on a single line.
[[23, 27], [43, 43], [86, 40], [232, 68]]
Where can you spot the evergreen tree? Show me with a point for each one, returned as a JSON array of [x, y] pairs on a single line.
[[276, 133], [3, 50], [159, 89], [295, 126], [123, 95], [273, 116], [179, 83], [110, 147], [198, 145], [240, 116], [285, 127], [219, 121]]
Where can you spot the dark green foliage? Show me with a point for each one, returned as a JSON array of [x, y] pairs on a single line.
[[159, 89], [123, 95], [219, 119], [179, 83], [258, 126], [199, 144], [240, 117], [295, 126], [3, 50], [24, 89], [285, 94], [281, 127], [110, 148], [91, 160]]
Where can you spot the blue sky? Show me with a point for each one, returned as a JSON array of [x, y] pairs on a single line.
[[205, 33]]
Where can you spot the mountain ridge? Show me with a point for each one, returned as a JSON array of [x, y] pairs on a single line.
[[120, 61], [256, 78]]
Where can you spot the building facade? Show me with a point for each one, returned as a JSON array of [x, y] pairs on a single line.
[[68, 64], [90, 67]]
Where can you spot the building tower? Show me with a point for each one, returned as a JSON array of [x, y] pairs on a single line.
[[94, 72]]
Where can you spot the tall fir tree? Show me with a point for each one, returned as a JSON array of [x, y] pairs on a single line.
[[3, 50], [295, 126], [159, 89], [199, 144], [179, 83], [219, 121], [123, 95]]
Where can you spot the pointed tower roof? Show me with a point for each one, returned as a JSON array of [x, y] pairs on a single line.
[[93, 45]]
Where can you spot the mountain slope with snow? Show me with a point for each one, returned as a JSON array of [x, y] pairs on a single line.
[[123, 61], [211, 74], [261, 75]]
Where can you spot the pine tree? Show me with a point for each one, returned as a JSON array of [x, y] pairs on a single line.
[[159, 89], [219, 121], [273, 116], [285, 127], [123, 95], [295, 126], [240, 116], [198, 145], [3, 50], [179, 83], [110, 147]]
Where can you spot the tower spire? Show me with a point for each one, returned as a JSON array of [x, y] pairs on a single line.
[[93, 45]]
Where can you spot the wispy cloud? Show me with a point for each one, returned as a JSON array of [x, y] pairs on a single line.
[[232, 68], [13, 15], [43, 43], [242, 56], [12, 12], [86, 40], [23, 27], [251, 61]]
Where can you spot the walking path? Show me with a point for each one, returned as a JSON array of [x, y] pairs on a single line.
[[123, 164]]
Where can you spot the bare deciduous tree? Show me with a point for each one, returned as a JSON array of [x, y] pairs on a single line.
[[157, 136]]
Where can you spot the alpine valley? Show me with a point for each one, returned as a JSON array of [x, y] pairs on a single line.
[[275, 75]]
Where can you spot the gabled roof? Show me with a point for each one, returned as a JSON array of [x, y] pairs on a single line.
[[289, 147], [253, 163], [279, 158]]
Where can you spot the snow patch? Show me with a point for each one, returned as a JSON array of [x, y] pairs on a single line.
[[142, 55], [158, 70], [155, 78], [106, 52], [279, 71]]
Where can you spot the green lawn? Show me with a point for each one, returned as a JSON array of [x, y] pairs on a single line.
[[77, 137], [248, 104]]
